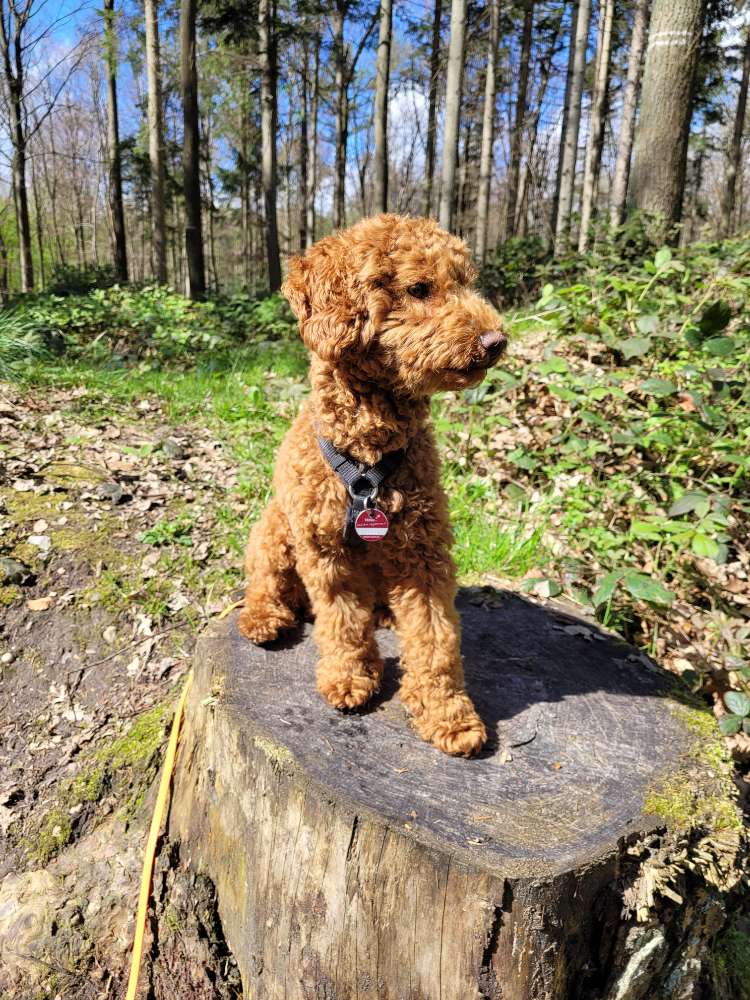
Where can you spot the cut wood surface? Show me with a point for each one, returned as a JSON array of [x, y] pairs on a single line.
[[351, 859]]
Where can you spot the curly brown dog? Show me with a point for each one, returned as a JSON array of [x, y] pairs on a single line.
[[388, 312]]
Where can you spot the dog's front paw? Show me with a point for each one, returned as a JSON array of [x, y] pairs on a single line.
[[453, 725], [348, 682], [262, 620]]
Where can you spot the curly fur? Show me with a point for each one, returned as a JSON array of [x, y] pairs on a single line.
[[377, 353]]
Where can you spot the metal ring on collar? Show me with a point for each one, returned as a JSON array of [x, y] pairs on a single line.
[[369, 492]]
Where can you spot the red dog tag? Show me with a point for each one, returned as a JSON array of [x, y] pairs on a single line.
[[371, 525]]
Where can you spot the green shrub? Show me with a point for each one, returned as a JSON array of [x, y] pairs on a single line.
[[70, 280]]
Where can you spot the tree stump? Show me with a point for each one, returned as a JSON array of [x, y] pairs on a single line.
[[350, 859]]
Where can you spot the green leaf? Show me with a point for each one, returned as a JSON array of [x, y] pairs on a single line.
[[737, 702], [647, 324], [715, 318], [553, 364], [720, 347], [705, 546], [606, 588], [658, 387], [662, 258], [693, 500], [634, 347], [693, 336], [645, 588], [730, 724]]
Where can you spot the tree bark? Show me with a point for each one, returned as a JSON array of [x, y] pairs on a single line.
[[453, 88], [596, 128], [267, 52], [304, 139], [619, 192], [432, 106], [488, 136], [312, 150], [116, 207], [196, 269], [569, 149], [661, 141], [514, 167], [156, 142], [565, 116], [347, 857], [12, 26], [734, 157], [382, 74], [342, 116]]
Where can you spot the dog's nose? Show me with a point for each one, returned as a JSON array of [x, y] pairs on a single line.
[[494, 343]]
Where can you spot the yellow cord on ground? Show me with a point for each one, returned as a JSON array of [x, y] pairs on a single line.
[[153, 836], [227, 611]]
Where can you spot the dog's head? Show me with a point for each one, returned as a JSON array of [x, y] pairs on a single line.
[[392, 299]]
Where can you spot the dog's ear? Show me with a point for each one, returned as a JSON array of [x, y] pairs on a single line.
[[330, 321]]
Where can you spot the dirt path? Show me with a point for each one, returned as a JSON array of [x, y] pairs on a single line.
[[111, 558]]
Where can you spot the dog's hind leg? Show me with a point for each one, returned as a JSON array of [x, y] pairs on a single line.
[[274, 591]]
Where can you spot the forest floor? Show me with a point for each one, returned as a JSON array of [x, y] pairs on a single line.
[[126, 496]]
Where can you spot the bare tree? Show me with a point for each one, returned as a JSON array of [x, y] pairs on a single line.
[[116, 207], [619, 191], [268, 100], [452, 111], [661, 141], [596, 128], [516, 140], [488, 135], [312, 148], [569, 149], [734, 153], [432, 106], [156, 141], [345, 64], [196, 272], [382, 74], [13, 22]]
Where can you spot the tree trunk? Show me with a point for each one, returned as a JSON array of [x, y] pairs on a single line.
[[452, 112], [312, 150], [38, 224], [569, 149], [156, 142], [22, 197], [734, 158], [432, 106], [619, 193], [346, 857], [661, 141], [267, 52], [596, 128], [304, 139], [520, 225], [514, 167], [565, 116], [382, 74], [116, 207], [196, 270], [488, 136], [342, 116]]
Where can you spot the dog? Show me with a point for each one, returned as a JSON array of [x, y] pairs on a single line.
[[389, 314]]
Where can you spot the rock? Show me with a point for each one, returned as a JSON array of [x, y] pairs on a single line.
[[172, 448], [13, 572], [112, 492]]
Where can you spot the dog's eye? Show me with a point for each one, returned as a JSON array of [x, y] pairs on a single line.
[[419, 291]]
